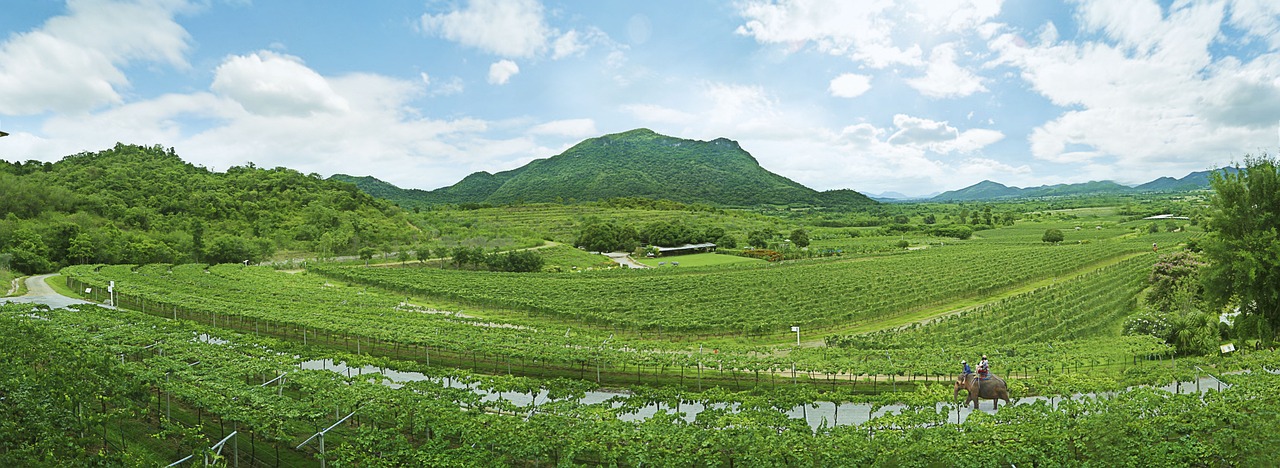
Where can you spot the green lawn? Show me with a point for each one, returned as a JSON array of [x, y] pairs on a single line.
[[695, 260]]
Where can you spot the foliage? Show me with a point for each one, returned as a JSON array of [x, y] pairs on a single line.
[[800, 238], [1052, 236], [958, 231], [668, 234], [1174, 311], [607, 236], [1243, 249], [143, 204], [1171, 272], [761, 238]]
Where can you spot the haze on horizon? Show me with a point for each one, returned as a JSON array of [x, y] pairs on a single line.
[[911, 97]]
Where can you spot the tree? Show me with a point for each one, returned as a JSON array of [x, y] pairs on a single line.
[[727, 241], [228, 249], [930, 218], [667, 233], [367, 253], [760, 239], [81, 249], [422, 253], [1243, 248], [607, 237], [1052, 236], [800, 238], [30, 255], [1168, 276]]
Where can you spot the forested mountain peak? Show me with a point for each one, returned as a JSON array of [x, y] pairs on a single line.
[[635, 163]]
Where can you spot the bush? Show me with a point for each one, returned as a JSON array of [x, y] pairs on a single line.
[[1052, 236]]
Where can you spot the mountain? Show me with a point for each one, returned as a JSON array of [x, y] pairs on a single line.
[[985, 190], [636, 163], [144, 204], [1192, 181], [988, 190]]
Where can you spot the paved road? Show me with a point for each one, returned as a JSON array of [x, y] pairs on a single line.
[[624, 260], [40, 293]]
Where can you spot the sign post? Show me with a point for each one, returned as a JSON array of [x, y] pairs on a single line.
[[797, 330]]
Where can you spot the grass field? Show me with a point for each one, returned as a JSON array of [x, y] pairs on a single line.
[[696, 260]]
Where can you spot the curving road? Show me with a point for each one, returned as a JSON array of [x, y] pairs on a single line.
[[624, 259], [40, 293]]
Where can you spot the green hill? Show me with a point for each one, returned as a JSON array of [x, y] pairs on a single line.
[[988, 190], [984, 190], [637, 163], [139, 204]]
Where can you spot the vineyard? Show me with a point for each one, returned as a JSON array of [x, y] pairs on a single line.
[[232, 398], [512, 365], [757, 300], [374, 320]]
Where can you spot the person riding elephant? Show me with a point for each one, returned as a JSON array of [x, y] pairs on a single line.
[[967, 370], [984, 367]]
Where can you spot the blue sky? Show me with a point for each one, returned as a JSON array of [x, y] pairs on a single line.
[[913, 97]]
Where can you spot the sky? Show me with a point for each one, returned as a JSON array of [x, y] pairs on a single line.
[[914, 97]]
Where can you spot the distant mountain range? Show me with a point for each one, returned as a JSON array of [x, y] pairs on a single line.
[[644, 164], [637, 163], [988, 190]]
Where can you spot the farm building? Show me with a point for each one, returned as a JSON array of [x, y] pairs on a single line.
[[686, 249]]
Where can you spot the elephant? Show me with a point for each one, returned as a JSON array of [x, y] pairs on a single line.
[[993, 389]]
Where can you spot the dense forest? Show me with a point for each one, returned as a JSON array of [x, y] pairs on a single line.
[[140, 204]]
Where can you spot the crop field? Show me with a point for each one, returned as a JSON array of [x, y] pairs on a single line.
[[665, 322], [877, 326], [143, 391], [751, 300]]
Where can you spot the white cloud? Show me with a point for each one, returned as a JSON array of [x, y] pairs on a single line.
[[865, 31], [790, 140], [509, 28], [567, 45], [940, 137], [1260, 18], [1148, 96], [453, 85], [849, 85], [374, 132], [73, 63], [501, 71], [574, 128], [944, 78], [267, 83]]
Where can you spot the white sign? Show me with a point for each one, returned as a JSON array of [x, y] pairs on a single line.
[[88, 290], [111, 287], [1227, 348], [795, 329]]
